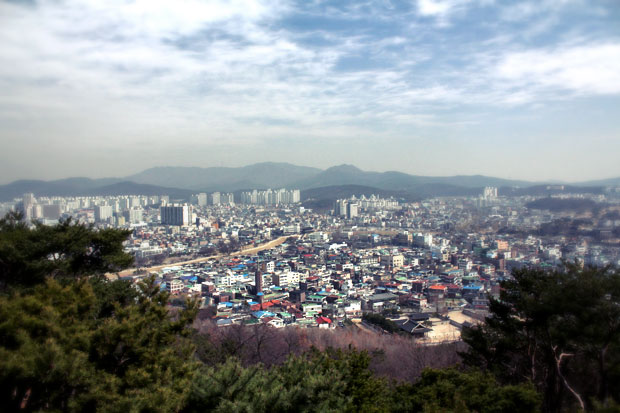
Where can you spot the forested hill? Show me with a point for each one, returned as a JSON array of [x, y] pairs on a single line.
[[178, 181], [564, 204]]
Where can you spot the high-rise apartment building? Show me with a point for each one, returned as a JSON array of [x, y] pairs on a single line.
[[200, 199], [134, 215], [352, 210], [215, 198], [227, 198], [176, 214], [490, 192], [103, 212], [271, 197]]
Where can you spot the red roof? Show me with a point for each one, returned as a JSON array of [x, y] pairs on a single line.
[[323, 320]]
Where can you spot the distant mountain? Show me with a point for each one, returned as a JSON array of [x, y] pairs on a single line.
[[568, 204], [132, 188], [601, 182], [258, 176], [546, 190], [85, 187], [398, 181], [61, 187], [183, 180]]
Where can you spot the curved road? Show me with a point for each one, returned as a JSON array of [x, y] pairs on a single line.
[[262, 247]]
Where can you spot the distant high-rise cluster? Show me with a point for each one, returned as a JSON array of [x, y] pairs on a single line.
[[490, 192], [375, 202], [216, 198], [271, 197], [112, 210], [346, 208], [350, 207]]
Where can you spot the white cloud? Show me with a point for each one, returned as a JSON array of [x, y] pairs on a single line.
[[584, 70], [443, 10], [229, 70]]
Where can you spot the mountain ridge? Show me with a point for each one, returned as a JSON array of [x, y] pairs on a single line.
[[182, 181]]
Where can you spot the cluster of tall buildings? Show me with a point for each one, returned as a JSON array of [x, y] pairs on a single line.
[[119, 210], [33, 209], [490, 192], [375, 202], [111, 209], [350, 208], [346, 208], [271, 197], [215, 198]]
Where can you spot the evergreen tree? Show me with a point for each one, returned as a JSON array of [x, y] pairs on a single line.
[[332, 380], [58, 353], [557, 329], [450, 390], [67, 250]]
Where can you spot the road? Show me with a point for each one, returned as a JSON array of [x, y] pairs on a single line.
[[249, 251]]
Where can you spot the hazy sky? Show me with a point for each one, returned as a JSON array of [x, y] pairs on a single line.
[[512, 89]]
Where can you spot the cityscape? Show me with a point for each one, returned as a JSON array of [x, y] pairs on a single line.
[[274, 206], [433, 263]]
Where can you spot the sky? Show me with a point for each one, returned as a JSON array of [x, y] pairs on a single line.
[[513, 89]]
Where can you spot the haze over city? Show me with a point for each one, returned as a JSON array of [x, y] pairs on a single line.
[[527, 90]]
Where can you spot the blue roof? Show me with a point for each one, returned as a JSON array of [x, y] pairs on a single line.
[[261, 314], [472, 287]]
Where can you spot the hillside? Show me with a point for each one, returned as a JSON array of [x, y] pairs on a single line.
[[337, 181], [398, 181], [258, 176], [560, 205], [86, 187]]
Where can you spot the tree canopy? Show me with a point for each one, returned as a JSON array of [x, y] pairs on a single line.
[[59, 351], [29, 254], [557, 329]]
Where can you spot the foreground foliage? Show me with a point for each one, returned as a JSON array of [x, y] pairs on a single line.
[[559, 330], [29, 255], [61, 349], [337, 380]]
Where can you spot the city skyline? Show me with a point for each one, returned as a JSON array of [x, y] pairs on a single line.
[[527, 90]]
